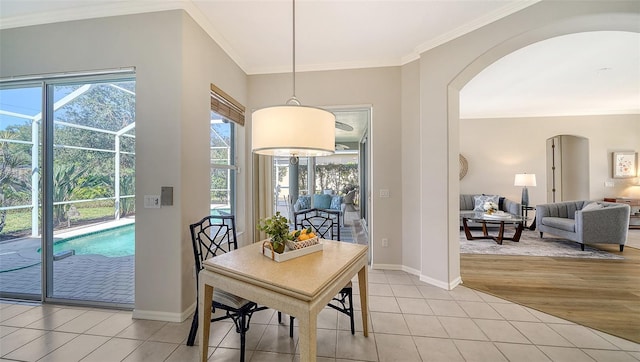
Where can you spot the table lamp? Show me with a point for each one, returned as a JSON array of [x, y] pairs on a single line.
[[524, 180]]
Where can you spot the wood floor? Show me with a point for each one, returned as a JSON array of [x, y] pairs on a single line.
[[601, 294]]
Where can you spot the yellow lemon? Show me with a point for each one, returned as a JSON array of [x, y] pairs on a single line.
[[311, 235], [303, 237]]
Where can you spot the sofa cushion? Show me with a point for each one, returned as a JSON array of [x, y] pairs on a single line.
[[322, 201], [479, 201], [303, 203], [561, 223], [336, 202]]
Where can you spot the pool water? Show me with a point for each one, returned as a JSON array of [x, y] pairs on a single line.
[[114, 242]]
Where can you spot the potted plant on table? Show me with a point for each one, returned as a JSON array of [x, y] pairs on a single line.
[[277, 229]]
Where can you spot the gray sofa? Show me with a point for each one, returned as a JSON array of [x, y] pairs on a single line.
[[467, 204], [585, 221]]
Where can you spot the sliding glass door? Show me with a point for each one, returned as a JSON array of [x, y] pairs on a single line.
[[71, 194], [91, 254], [20, 190]]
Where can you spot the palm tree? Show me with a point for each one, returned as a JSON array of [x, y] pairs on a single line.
[[14, 175]]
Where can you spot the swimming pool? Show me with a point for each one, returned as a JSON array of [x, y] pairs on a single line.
[[114, 242]]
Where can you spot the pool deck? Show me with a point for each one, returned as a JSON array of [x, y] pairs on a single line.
[[82, 277]]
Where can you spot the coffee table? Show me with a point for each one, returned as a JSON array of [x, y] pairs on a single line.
[[485, 219]]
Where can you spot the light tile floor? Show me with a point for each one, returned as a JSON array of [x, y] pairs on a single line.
[[410, 321]]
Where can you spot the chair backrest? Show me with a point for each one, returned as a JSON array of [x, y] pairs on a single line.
[[211, 236], [324, 223]]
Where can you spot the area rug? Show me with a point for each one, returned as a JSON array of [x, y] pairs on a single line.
[[530, 244]]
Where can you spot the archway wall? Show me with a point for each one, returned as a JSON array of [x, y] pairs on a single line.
[[442, 72]]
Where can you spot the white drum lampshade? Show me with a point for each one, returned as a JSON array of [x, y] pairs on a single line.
[[293, 130]]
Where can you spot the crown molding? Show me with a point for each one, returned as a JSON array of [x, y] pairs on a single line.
[[469, 27], [138, 7], [91, 12], [381, 63], [543, 114], [124, 8]]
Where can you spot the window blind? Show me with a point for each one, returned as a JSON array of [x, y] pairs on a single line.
[[224, 105]]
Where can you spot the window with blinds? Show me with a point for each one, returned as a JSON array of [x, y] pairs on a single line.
[[227, 107]]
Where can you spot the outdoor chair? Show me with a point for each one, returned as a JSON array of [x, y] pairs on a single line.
[[323, 224], [212, 236]]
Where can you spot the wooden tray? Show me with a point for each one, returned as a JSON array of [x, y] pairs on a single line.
[[291, 254]]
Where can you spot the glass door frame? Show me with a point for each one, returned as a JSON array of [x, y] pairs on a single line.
[[45, 170], [47, 182]]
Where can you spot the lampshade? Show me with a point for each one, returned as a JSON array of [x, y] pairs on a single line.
[[293, 130], [525, 179]]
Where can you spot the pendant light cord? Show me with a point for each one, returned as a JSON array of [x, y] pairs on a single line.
[[293, 99]]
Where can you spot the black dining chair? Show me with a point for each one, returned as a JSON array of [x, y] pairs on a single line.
[[324, 224], [212, 236]]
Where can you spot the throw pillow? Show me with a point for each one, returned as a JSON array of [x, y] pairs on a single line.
[[592, 206], [321, 201], [479, 200], [303, 203], [336, 202]]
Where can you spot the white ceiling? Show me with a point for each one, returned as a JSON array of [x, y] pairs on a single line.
[[577, 74], [591, 73]]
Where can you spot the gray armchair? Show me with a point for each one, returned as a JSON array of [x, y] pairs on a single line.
[[585, 222]]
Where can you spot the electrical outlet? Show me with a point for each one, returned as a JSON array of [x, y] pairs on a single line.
[[385, 242], [608, 184], [384, 193]]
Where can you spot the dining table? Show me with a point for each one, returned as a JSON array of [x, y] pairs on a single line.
[[300, 287]]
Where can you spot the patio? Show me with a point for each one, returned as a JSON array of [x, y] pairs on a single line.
[[82, 277]]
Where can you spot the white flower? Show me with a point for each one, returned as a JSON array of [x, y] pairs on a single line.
[[490, 206]]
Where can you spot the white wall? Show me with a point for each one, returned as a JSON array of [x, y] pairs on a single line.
[[175, 63], [410, 149], [497, 149]]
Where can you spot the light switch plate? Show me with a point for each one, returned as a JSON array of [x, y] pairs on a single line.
[[384, 193], [151, 201]]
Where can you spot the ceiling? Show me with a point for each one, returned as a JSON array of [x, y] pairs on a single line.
[[589, 73]]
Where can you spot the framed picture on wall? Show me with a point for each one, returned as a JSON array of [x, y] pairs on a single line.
[[625, 164]]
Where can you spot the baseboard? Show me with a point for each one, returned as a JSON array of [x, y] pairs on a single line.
[[412, 271], [440, 284], [386, 267], [164, 316], [437, 283]]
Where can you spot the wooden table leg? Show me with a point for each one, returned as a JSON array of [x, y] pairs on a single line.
[[465, 226], [518, 233], [362, 282], [204, 318], [307, 336], [484, 229], [500, 233]]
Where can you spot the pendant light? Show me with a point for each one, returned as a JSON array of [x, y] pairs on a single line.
[[293, 130]]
